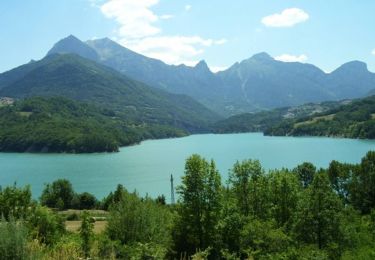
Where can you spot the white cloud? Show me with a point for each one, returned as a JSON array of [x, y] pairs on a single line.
[[286, 18], [373, 52], [291, 58], [134, 17], [221, 41], [166, 16], [188, 7], [171, 49], [139, 31]]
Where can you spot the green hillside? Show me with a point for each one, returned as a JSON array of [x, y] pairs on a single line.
[[62, 125], [353, 120], [77, 78], [259, 122]]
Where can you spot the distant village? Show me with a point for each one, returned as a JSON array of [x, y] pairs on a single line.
[[6, 101]]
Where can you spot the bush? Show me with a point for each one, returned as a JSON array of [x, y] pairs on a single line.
[[133, 220], [45, 225], [13, 240]]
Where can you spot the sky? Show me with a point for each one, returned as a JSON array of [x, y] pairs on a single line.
[[222, 32]]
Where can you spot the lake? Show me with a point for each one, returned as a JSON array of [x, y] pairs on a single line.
[[147, 167]]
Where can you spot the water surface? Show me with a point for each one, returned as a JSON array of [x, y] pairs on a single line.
[[147, 167]]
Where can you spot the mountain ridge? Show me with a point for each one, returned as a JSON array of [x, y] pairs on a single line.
[[257, 83]]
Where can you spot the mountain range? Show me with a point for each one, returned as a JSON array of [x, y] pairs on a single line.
[[254, 84]]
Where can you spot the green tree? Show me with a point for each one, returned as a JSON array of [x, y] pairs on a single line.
[[84, 200], [45, 225], [305, 173], [250, 188], [134, 220], [318, 214], [59, 194], [340, 176], [285, 192], [200, 206], [86, 232], [362, 186], [15, 202]]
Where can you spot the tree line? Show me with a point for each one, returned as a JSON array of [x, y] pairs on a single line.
[[300, 213]]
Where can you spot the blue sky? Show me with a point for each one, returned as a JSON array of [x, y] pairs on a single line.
[[324, 33]]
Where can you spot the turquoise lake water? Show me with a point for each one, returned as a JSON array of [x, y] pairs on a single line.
[[147, 167]]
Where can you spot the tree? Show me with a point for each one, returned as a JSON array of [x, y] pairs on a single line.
[[59, 194], [362, 187], [284, 191], [340, 176], [84, 200], [200, 206], [45, 225], [318, 214], [133, 220], [15, 202], [249, 186], [86, 232], [305, 173]]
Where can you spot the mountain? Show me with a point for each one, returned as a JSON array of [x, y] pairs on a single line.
[[261, 121], [267, 83], [75, 77], [352, 80], [257, 83], [71, 44], [353, 120]]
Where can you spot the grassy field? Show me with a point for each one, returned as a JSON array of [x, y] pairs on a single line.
[[315, 119], [74, 225]]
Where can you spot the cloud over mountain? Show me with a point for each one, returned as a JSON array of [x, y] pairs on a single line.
[[287, 18], [140, 31]]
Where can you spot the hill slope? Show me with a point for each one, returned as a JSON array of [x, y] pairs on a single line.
[[353, 120], [62, 125], [74, 77], [260, 121]]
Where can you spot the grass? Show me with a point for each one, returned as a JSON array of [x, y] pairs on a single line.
[[74, 225], [315, 119]]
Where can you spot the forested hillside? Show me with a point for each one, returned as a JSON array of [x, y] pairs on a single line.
[[62, 125], [300, 213], [259, 122], [353, 120]]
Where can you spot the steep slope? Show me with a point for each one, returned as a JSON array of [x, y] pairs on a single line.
[[268, 83], [72, 44], [351, 80], [75, 77], [197, 82]]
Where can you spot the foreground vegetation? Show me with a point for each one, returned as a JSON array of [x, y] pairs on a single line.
[[62, 125], [303, 213]]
